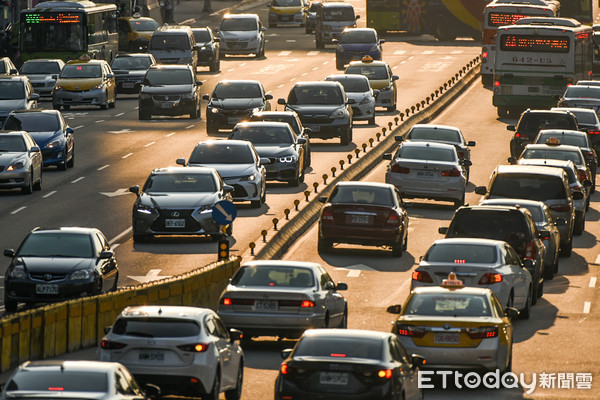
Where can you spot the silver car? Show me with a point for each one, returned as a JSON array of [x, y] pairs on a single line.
[[178, 201], [184, 350], [282, 298], [20, 162], [242, 34], [16, 93], [238, 164], [42, 74], [428, 170], [357, 87]]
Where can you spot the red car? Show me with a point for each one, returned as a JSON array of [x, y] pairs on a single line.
[[364, 213]]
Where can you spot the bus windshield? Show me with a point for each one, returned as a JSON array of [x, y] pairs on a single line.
[[53, 31]]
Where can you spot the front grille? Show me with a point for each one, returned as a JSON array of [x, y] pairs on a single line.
[[239, 191], [38, 84], [167, 98], [47, 277], [242, 113], [85, 101], [236, 45], [169, 60], [191, 225]]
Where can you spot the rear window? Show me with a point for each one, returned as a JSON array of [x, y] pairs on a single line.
[[531, 123], [426, 153], [258, 135], [326, 95], [170, 41], [583, 92], [278, 276], [455, 253], [355, 85], [338, 347], [32, 122], [427, 133], [221, 154], [40, 67], [527, 186], [454, 305], [487, 224], [571, 140], [43, 379], [362, 195], [565, 155], [156, 327], [585, 117], [338, 14]]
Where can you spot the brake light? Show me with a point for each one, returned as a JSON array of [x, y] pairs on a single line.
[[421, 276], [497, 83], [307, 304], [410, 330], [56, 389], [393, 218], [226, 301], [484, 54], [194, 347], [400, 169], [109, 345], [483, 333], [337, 355], [591, 132], [327, 215], [451, 172], [588, 153], [283, 369], [489, 279], [561, 207], [530, 250], [521, 136], [385, 373], [582, 175]]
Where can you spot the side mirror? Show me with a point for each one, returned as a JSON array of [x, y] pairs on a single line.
[[443, 230], [286, 353], [152, 391], [395, 77], [216, 39], [481, 190], [511, 160], [351, 101], [35, 149], [228, 188], [70, 131], [511, 128], [206, 97], [376, 92], [341, 286], [302, 140], [9, 253], [511, 313], [181, 161], [357, 17], [263, 29], [281, 101], [34, 97], [471, 143], [387, 156], [394, 309], [467, 163], [265, 161], [528, 264], [235, 334], [198, 83], [577, 195], [135, 189], [307, 131], [381, 41], [417, 360], [107, 254], [269, 97], [110, 76], [322, 199]]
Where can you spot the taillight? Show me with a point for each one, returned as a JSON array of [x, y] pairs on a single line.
[[393, 219], [461, 154], [451, 172], [194, 347], [521, 136], [400, 169], [284, 369], [582, 175], [593, 132], [530, 250], [327, 215], [561, 207], [226, 301], [109, 345], [421, 276], [307, 304], [385, 373], [497, 83], [489, 279], [410, 330], [483, 333]]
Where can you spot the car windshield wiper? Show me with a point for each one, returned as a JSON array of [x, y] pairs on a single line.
[[136, 333]]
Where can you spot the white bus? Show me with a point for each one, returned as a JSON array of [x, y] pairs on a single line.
[[536, 58]]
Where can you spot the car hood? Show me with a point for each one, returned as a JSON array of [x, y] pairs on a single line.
[[239, 35], [79, 83], [9, 157], [236, 104], [357, 46], [306, 110], [358, 96], [229, 170], [178, 200], [42, 138], [55, 264], [167, 89], [7, 106], [274, 150], [40, 77]]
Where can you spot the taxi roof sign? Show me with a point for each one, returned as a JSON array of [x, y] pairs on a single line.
[[553, 141], [452, 282], [367, 59], [84, 57]]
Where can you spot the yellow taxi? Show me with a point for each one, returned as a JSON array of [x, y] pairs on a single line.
[[380, 77], [287, 12], [85, 82], [456, 327], [135, 32]]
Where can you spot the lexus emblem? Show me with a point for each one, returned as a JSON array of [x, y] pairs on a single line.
[[175, 214], [447, 326], [47, 277]]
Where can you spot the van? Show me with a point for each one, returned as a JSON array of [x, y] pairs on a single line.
[[174, 45], [332, 19]]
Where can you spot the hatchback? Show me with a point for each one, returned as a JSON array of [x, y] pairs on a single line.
[[355, 43], [357, 88], [242, 34]]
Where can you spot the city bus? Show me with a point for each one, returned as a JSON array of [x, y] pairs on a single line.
[[536, 58], [499, 13], [69, 29]]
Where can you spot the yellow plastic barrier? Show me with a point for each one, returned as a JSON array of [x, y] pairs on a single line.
[[74, 328], [36, 343], [24, 336], [49, 322], [10, 342], [62, 320], [88, 322]]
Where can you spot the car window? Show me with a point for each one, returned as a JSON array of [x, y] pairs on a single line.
[[81, 71], [131, 381], [273, 275], [221, 330], [262, 134], [376, 72], [161, 77], [57, 244], [583, 92], [12, 144], [180, 183], [32, 122], [532, 123], [156, 327], [436, 134], [210, 326], [354, 85], [586, 117], [358, 36], [512, 257], [347, 347], [131, 63], [457, 253], [222, 154], [326, 280], [398, 197], [571, 140], [58, 381], [329, 95], [528, 186], [488, 224], [362, 195], [12, 90], [144, 25], [397, 351], [239, 24], [202, 35], [456, 305], [426, 153], [98, 246], [338, 14], [237, 90]]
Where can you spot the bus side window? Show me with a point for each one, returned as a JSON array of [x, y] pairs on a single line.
[[91, 29]]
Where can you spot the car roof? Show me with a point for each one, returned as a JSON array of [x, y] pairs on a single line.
[[550, 162], [171, 66], [224, 142], [472, 241], [183, 170], [566, 132], [317, 84], [273, 124], [57, 60], [424, 143], [172, 29], [479, 207], [276, 113], [529, 169], [13, 133], [365, 184], [89, 62], [240, 16], [347, 77], [573, 109], [329, 4], [165, 311], [435, 126], [71, 365], [552, 112], [145, 55], [66, 229], [347, 333], [561, 147], [592, 87], [14, 78], [35, 111], [350, 29], [281, 263], [377, 63], [229, 81]]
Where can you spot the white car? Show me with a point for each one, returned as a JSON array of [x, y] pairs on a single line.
[[482, 263], [183, 350], [357, 87]]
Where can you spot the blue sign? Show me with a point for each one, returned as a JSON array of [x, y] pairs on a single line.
[[224, 212]]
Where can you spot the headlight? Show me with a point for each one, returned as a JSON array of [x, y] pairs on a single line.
[[145, 96], [256, 109], [18, 273], [15, 166], [97, 87], [249, 178], [287, 159], [214, 110], [374, 48], [188, 96], [144, 209], [54, 143], [366, 100], [82, 274], [338, 113], [58, 88]]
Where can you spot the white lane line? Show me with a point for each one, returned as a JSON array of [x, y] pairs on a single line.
[[411, 57], [291, 41], [231, 69], [456, 52], [18, 210], [100, 120], [593, 280], [102, 167], [127, 155], [136, 107], [304, 73], [119, 114], [78, 127], [402, 62], [242, 64], [119, 236], [114, 246], [399, 52], [280, 86], [284, 53], [190, 126], [292, 80], [312, 53], [49, 194], [170, 134], [597, 259], [586, 307], [325, 62], [315, 68], [354, 273], [427, 52], [149, 144], [78, 179]]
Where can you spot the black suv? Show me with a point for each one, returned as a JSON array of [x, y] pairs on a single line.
[[532, 122], [514, 225], [208, 47], [170, 90]]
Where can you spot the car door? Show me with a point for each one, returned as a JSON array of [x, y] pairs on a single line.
[[407, 373], [520, 281], [233, 354], [334, 302], [108, 267], [35, 157], [220, 338]]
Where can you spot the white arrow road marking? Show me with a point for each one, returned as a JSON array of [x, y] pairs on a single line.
[[118, 192], [152, 275], [354, 273], [121, 131], [228, 217]]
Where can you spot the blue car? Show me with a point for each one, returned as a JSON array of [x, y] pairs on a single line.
[[51, 133], [355, 43]]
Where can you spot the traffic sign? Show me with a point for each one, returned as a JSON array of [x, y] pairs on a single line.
[[224, 212]]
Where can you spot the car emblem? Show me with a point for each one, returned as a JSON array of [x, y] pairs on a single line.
[[76, 87], [175, 214], [47, 277], [447, 326]]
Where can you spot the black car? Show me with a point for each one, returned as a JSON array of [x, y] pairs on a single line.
[[336, 364], [59, 264], [208, 48], [130, 69], [580, 96], [234, 101], [277, 142], [170, 90], [323, 107], [588, 121]]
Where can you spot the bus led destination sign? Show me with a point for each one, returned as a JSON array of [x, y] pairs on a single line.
[[53, 18], [535, 43], [497, 19]]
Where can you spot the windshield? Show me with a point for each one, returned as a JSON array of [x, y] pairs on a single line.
[[565, 155], [273, 275], [287, 3], [488, 224], [32, 122], [40, 67], [181, 183], [77, 71], [587, 117], [160, 77], [571, 140], [426, 153], [12, 144], [263, 134], [436, 134], [583, 92], [237, 90], [156, 327], [531, 123], [51, 31], [362, 195], [309, 95], [202, 36], [456, 253], [12, 90], [169, 42], [239, 24], [221, 154], [339, 346], [57, 381], [131, 63], [144, 25], [354, 85], [449, 305], [372, 72], [57, 244], [358, 36], [338, 14], [528, 186]]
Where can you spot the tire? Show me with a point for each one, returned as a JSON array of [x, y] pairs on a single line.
[[579, 224], [113, 104], [38, 184], [398, 248], [63, 165], [255, 203], [346, 139], [509, 366], [324, 245], [344, 322], [502, 112], [320, 45], [66, 108], [549, 272], [567, 250], [535, 289], [195, 114], [540, 291], [555, 265], [236, 394], [339, 66], [308, 160], [10, 306], [103, 106], [71, 162], [29, 188], [115, 285], [296, 181], [210, 129], [391, 108], [525, 313], [372, 121], [143, 114], [216, 389], [213, 67]]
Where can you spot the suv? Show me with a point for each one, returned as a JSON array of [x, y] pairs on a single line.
[[532, 122], [174, 45], [332, 19], [170, 90], [208, 48], [242, 34], [16, 93], [514, 225]]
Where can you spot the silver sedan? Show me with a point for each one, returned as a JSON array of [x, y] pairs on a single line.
[[20, 162], [357, 87], [282, 298]]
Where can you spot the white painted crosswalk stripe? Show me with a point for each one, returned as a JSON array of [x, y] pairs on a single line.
[[284, 53], [312, 53], [399, 52]]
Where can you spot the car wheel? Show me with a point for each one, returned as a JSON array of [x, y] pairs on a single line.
[[397, 248], [103, 106], [63, 165], [216, 389], [549, 272], [372, 121], [10, 306], [344, 321], [236, 394], [511, 300], [525, 313], [255, 203], [113, 104], [579, 223], [213, 67], [56, 106], [195, 114], [38, 184], [299, 178], [324, 245], [567, 249], [115, 285], [468, 173], [210, 129], [459, 203], [555, 265], [540, 291], [71, 162], [346, 138], [509, 364], [28, 188], [535, 289], [308, 160], [143, 114]]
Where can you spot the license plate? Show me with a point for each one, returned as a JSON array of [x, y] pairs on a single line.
[[506, 89], [233, 121], [166, 105], [152, 356], [314, 128], [428, 174], [128, 85], [360, 219], [334, 378], [44, 288], [175, 223], [285, 19], [446, 338], [265, 305]]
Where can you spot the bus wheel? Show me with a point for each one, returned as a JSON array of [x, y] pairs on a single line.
[[502, 112]]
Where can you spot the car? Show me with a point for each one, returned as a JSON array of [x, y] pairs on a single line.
[[363, 213], [455, 327], [444, 134], [242, 34], [323, 107], [174, 44], [358, 89], [332, 17], [429, 170], [282, 298], [40, 73], [85, 82], [170, 90], [546, 225], [311, 17], [178, 201], [93, 380], [50, 132], [532, 121], [7, 67], [348, 364], [380, 77], [130, 69], [587, 121], [233, 101], [135, 32], [277, 142], [579, 96], [483, 263], [355, 43], [20, 162], [185, 350], [290, 117], [16, 93], [208, 47], [238, 163], [588, 83], [287, 12], [57, 264], [550, 185], [513, 225]]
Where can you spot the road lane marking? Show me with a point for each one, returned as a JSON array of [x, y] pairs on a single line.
[[399, 52], [354, 273], [18, 210], [119, 114], [427, 52], [284, 53], [402, 62], [171, 134], [325, 62], [312, 53], [291, 41], [100, 120], [78, 179], [315, 68], [292, 80], [231, 70], [49, 194], [102, 167], [149, 144], [456, 52], [304, 73], [120, 235], [189, 126], [152, 275], [586, 307], [597, 259], [242, 64], [593, 280], [411, 57], [127, 155], [78, 127], [280, 86]]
